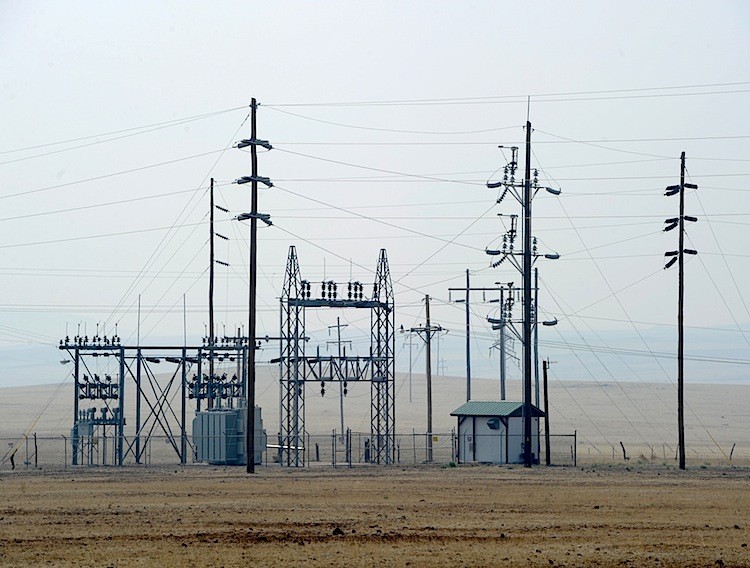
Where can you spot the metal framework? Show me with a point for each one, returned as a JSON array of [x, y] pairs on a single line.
[[154, 411], [297, 368]]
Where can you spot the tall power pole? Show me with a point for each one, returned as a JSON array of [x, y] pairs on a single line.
[[527, 299], [468, 339], [211, 338], [254, 215], [529, 188], [252, 291], [426, 332], [679, 257]]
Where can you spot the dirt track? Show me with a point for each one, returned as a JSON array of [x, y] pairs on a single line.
[[467, 516]]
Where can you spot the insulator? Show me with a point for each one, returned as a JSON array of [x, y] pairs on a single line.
[[322, 389]]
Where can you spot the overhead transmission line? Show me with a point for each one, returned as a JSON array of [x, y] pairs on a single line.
[[165, 124], [158, 250], [105, 176], [359, 166], [97, 142], [525, 97]]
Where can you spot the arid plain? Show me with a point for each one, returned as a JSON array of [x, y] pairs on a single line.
[[601, 515], [604, 512]]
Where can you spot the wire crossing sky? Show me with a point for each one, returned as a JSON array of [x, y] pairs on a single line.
[[386, 121]]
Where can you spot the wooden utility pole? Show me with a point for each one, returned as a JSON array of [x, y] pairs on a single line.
[[428, 330], [428, 371], [212, 261], [681, 320], [679, 257], [468, 339], [250, 429], [545, 366], [527, 299], [466, 300]]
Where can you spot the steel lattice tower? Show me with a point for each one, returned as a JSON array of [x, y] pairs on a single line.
[[296, 368]]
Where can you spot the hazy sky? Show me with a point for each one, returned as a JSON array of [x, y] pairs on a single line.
[[116, 115]]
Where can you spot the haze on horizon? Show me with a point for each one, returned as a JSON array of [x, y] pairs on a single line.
[[385, 120]]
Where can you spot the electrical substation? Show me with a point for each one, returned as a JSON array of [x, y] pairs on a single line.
[[297, 367], [207, 388], [99, 435]]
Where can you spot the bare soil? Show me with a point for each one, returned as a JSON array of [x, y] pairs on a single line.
[[644, 515]]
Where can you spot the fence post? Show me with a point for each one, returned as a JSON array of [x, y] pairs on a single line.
[[349, 446], [26, 462], [575, 448], [333, 447], [36, 453], [414, 444], [65, 451]]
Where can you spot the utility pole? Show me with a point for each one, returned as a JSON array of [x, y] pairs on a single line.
[[468, 339], [250, 429], [428, 330], [536, 337], [338, 327], [529, 189], [545, 367], [527, 461], [679, 257], [254, 215], [465, 300], [211, 338]]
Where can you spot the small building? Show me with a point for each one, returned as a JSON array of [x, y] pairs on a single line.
[[492, 432]]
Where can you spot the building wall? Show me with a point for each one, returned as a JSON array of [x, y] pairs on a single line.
[[515, 439], [477, 442]]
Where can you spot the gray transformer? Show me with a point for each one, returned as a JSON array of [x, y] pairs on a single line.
[[219, 436]]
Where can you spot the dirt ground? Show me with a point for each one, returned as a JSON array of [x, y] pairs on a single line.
[[421, 516]]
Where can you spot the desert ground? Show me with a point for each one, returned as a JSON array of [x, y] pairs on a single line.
[[601, 515], [602, 512]]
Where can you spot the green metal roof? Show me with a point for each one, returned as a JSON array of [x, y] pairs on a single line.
[[493, 408]]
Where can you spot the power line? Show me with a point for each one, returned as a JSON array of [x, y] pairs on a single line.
[[359, 166], [522, 98], [359, 127], [165, 124], [97, 142], [105, 176]]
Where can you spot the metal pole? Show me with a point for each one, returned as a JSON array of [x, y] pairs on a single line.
[[468, 340], [545, 366], [250, 429], [428, 365], [680, 319], [527, 347]]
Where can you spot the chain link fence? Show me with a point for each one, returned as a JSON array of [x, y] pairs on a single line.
[[350, 450]]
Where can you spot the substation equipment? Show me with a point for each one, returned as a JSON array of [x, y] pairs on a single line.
[[160, 404], [297, 367]]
